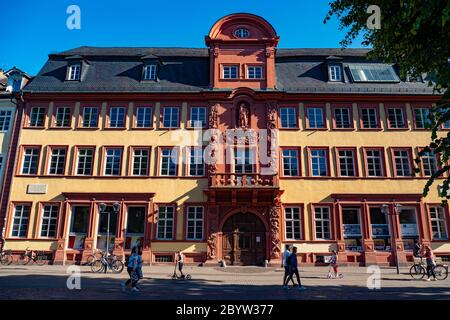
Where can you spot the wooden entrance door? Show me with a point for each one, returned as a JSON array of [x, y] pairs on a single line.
[[244, 240]]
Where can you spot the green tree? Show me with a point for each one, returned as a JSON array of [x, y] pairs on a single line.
[[415, 34]]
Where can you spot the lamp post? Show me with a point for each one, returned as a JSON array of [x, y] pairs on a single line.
[[103, 206], [385, 210]]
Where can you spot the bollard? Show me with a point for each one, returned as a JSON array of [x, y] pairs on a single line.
[[266, 263]]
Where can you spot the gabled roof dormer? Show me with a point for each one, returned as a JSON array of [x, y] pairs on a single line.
[[77, 67], [150, 66], [242, 52], [16, 79], [335, 69]]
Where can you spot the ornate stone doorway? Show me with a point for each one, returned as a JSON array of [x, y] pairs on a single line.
[[244, 240]]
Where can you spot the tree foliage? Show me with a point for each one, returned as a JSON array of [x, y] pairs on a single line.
[[414, 34]]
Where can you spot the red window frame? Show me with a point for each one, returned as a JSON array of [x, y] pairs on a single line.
[[348, 106], [76, 148], [158, 160], [20, 162], [327, 149], [402, 107], [299, 163], [161, 117], [186, 205], [377, 113], [102, 166], [338, 161], [48, 159], [324, 116], [54, 113], [383, 162], [301, 206], [297, 123], [131, 162], [410, 158]]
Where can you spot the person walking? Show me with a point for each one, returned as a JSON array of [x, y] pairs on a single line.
[[334, 265], [284, 262], [133, 262], [429, 256], [180, 262], [294, 269]]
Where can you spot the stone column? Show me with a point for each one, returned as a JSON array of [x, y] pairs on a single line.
[[370, 256], [89, 240], [275, 241], [60, 254]]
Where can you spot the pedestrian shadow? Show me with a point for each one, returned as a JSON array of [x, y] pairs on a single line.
[[108, 287]]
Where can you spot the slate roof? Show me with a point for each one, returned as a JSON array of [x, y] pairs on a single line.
[[119, 69]]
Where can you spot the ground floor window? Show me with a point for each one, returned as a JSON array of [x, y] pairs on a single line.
[[292, 223], [78, 226], [322, 222], [408, 227], [194, 223], [49, 221], [136, 218], [165, 224], [380, 229], [351, 224], [20, 221], [438, 223]]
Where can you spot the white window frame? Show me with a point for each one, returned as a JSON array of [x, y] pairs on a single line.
[[290, 114], [115, 119], [290, 158], [341, 123], [402, 158], [84, 156], [335, 73], [171, 114], [315, 112], [429, 164], [372, 118], [437, 222], [33, 121], [371, 159], [35, 154], [395, 123], [149, 72], [195, 221], [59, 157], [227, 73], [90, 114], [114, 157], [21, 219], [252, 72], [166, 222], [322, 221], [196, 118], [146, 111], [5, 120], [64, 115], [293, 223], [198, 167], [422, 114], [172, 156], [346, 160], [50, 220], [74, 73], [318, 157], [140, 159]]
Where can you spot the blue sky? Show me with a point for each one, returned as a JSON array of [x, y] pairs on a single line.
[[35, 28]]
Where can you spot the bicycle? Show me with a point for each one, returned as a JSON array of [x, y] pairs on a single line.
[[107, 262], [38, 257], [419, 270], [95, 256], [6, 257]]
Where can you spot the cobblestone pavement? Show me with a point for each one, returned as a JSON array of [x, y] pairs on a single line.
[[254, 283]]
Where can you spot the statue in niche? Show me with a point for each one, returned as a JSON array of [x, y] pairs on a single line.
[[244, 116], [214, 117]]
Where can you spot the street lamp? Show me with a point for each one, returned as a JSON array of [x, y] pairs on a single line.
[[102, 207], [385, 210]]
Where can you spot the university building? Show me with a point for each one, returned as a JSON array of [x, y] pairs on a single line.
[[227, 152]]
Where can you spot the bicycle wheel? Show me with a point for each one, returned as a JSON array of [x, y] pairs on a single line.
[[417, 272], [24, 259], [4, 259], [90, 260], [41, 259], [97, 266], [441, 272], [117, 266], [188, 277]]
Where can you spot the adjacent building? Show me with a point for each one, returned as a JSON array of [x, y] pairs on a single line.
[[227, 153]]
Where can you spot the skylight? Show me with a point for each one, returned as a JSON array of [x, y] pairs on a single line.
[[373, 73]]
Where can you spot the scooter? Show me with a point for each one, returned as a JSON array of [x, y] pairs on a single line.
[[175, 276], [332, 275]]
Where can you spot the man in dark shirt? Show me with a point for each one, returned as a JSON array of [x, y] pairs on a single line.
[[293, 265]]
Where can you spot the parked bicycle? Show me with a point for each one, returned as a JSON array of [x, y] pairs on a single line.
[[419, 270], [38, 257], [6, 257], [97, 255], [107, 262]]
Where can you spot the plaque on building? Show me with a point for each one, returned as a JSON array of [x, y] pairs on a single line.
[[37, 188]]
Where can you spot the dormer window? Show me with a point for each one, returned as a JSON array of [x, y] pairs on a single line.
[[254, 72], [335, 73], [74, 72], [241, 33], [149, 72]]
